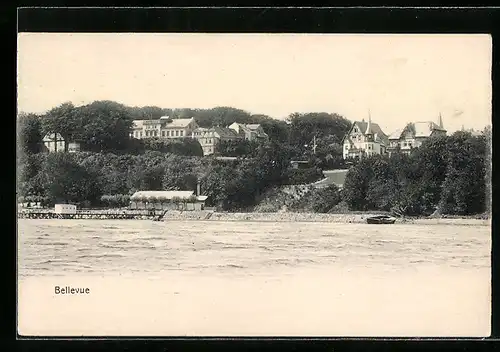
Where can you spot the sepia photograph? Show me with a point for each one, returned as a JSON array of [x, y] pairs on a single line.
[[253, 184]]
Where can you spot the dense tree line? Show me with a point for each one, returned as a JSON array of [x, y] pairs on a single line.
[[104, 126], [446, 175], [93, 179], [112, 164]]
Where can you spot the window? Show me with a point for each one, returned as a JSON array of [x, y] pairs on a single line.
[[176, 133], [156, 133], [182, 132], [168, 133], [355, 130], [140, 133], [163, 133]]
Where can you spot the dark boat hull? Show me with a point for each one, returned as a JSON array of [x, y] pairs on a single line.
[[380, 221]]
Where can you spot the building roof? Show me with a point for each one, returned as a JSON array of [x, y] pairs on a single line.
[[174, 123], [419, 129], [253, 126], [225, 132], [180, 122], [378, 134], [241, 127], [424, 129], [396, 134], [166, 195], [50, 137]]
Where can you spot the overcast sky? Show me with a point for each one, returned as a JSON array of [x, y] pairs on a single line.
[[399, 78]]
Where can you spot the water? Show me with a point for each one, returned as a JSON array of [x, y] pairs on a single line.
[[219, 278], [241, 248]]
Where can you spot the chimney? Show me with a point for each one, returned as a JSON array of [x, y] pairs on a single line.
[[198, 188]]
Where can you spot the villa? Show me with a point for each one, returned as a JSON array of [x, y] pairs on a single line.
[[364, 139], [413, 135]]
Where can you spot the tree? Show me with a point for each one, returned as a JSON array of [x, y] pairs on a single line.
[[63, 119], [105, 126], [237, 148], [66, 181], [325, 199], [29, 131], [277, 130], [30, 181], [356, 186], [303, 127], [464, 188]]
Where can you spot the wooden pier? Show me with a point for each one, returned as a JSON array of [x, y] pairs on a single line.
[[93, 215]]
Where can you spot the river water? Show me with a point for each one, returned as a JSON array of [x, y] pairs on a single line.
[[253, 278]]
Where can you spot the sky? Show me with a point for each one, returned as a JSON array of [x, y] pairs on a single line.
[[395, 78]]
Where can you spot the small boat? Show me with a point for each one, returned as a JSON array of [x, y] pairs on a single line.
[[381, 219]]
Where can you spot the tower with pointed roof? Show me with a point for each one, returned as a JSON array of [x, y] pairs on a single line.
[[369, 135], [440, 121]]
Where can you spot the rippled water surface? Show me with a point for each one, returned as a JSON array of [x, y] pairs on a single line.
[[48, 247]]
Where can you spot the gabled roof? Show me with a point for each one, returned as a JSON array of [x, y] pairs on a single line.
[[425, 129], [241, 127], [396, 134], [50, 137], [378, 134], [225, 132], [420, 129]]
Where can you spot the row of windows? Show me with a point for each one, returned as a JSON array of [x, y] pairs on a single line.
[[403, 144], [176, 133], [211, 134], [369, 146]]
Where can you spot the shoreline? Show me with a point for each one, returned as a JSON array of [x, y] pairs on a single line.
[[349, 218], [340, 218]]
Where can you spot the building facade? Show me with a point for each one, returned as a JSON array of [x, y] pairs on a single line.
[[163, 200], [413, 135], [363, 140], [209, 138], [54, 142], [250, 132], [164, 127]]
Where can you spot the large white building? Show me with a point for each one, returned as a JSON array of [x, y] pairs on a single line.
[[209, 138], [364, 139], [164, 127], [413, 135]]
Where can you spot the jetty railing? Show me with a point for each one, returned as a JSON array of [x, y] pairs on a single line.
[[104, 214]]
